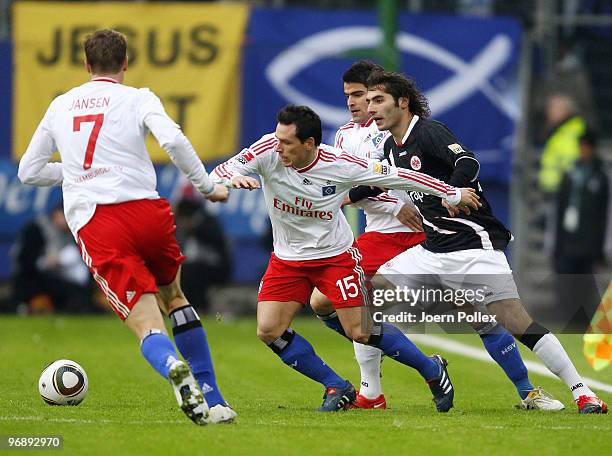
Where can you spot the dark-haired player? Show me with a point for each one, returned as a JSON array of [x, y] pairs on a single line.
[[386, 235], [305, 183], [468, 245]]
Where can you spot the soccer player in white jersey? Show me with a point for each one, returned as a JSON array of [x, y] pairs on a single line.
[[394, 226], [305, 183], [124, 229], [466, 250]]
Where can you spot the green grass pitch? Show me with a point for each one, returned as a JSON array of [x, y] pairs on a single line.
[[131, 410]]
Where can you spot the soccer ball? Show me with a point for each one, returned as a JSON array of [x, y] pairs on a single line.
[[63, 382]]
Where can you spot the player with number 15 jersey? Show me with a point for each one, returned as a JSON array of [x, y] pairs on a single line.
[[304, 203], [305, 183]]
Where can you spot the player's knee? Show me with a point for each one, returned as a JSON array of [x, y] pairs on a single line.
[[269, 333], [320, 304], [144, 317], [177, 302], [512, 315], [357, 334], [172, 296], [361, 337]]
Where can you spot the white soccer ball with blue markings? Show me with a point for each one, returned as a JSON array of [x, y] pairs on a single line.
[[63, 382]]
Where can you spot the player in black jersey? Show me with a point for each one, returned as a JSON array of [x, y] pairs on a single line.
[[495, 339], [458, 244]]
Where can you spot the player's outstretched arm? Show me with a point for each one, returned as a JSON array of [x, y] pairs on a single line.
[[361, 171], [230, 176], [255, 159], [170, 137]]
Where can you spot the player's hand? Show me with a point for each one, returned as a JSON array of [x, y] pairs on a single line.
[[410, 216], [453, 211], [247, 182], [220, 194], [469, 200]]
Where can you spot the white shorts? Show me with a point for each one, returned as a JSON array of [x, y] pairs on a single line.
[[485, 272]]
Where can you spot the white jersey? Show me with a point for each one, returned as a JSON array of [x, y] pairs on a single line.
[[99, 129], [305, 204], [367, 141]]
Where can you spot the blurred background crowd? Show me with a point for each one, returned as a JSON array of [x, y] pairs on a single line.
[[539, 121]]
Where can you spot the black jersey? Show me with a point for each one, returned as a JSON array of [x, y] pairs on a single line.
[[431, 148]]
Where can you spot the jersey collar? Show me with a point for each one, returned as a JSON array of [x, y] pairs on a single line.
[[309, 167], [104, 80], [413, 122], [368, 123]]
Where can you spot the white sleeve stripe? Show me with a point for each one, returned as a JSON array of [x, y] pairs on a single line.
[[466, 156], [389, 199], [272, 148], [424, 179], [220, 170], [429, 182], [260, 141], [327, 155], [263, 145], [353, 159], [480, 231], [338, 139]]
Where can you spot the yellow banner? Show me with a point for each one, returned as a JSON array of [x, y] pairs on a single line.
[[188, 54]]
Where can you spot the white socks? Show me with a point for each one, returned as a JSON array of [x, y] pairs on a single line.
[[368, 358], [553, 355]]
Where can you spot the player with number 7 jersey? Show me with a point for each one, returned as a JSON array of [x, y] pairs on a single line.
[[124, 230], [99, 129], [305, 184]]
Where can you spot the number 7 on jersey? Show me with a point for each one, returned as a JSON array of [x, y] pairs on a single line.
[[97, 119]]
